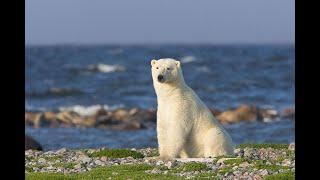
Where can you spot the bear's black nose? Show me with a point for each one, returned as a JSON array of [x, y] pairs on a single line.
[[160, 78]]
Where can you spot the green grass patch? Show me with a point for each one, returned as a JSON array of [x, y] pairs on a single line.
[[191, 166], [236, 161], [207, 175], [264, 145], [281, 158], [115, 172], [281, 176], [195, 166], [117, 153]]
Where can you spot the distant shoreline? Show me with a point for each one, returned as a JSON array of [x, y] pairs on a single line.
[[135, 118]]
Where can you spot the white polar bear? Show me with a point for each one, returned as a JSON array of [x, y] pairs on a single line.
[[186, 128]]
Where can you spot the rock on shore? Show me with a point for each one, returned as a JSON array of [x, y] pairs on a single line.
[[135, 118], [251, 161], [30, 143]]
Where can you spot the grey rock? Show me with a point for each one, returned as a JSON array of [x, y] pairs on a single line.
[[61, 151], [155, 171], [227, 174], [77, 166], [42, 160], [244, 165], [286, 162], [291, 146], [264, 172], [170, 164], [214, 168], [248, 152], [50, 167], [223, 159], [85, 159], [239, 152], [98, 162], [159, 163]]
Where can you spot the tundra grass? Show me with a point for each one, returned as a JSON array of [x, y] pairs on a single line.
[[281, 176], [115, 172], [263, 145], [117, 153]]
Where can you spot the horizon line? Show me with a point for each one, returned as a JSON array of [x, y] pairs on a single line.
[[157, 44]]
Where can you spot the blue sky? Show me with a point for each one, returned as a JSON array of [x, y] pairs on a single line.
[[165, 21]]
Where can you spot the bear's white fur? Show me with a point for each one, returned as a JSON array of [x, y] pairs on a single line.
[[186, 128]]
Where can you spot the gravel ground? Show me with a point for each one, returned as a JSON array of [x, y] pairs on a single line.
[[248, 162]]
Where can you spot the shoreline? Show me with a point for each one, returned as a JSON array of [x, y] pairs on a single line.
[[255, 161], [136, 118]]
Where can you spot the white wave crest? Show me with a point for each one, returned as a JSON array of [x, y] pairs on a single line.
[[188, 59], [106, 68]]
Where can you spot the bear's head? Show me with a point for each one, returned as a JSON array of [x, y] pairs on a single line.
[[166, 71]]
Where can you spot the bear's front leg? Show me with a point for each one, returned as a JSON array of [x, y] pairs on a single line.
[[161, 136], [173, 144]]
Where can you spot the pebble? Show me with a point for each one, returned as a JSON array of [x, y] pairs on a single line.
[[61, 151], [155, 171], [85, 159], [248, 152], [170, 164], [244, 164], [286, 162], [42, 160], [159, 163], [239, 152], [98, 162], [223, 159], [214, 167], [291, 146], [264, 172], [103, 158]]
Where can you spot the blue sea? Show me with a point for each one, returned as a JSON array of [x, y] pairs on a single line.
[[224, 76]]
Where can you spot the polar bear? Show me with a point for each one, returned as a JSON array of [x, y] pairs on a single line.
[[186, 128]]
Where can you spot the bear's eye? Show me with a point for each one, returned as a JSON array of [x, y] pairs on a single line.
[[157, 67], [168, 68]]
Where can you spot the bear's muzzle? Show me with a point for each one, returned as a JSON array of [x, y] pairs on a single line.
[[160, 78]]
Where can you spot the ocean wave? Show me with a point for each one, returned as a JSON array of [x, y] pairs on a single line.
[[188, 59], [88, 110], [54, 92], [106, 68], [115, 51], [204, 69]]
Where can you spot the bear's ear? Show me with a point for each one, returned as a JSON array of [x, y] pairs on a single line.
[[178, 63], [153, 62]]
